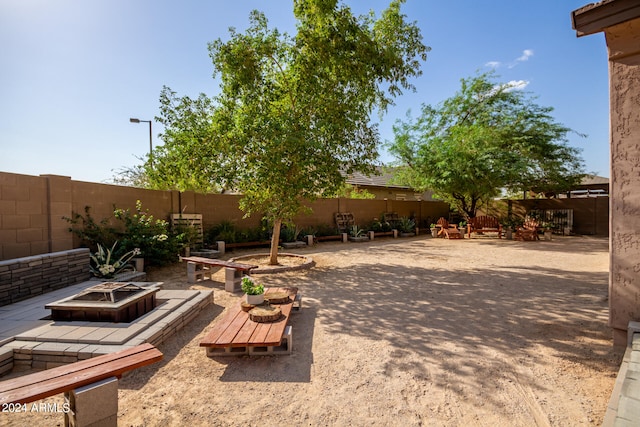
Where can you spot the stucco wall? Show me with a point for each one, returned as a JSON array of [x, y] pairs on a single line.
[[623, 42]]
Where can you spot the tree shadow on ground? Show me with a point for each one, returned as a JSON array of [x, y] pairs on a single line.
[[278, 368], [172, 346], [508, 312]]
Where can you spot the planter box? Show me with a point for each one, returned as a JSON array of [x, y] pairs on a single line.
[[293, 245], [359, 239], [205, 253], [328, 238], [384, 233]]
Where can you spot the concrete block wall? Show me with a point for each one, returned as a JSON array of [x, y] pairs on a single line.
[[23, 278], [23, 215], [32, 210]]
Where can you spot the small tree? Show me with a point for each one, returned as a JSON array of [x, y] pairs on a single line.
[[486, 138], [293, 112]]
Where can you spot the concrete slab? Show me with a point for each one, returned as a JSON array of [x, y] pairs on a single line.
[[123, 335]]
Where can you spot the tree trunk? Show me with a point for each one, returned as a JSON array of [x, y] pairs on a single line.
[[275, 239]]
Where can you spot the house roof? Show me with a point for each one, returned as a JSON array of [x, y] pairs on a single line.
[[385, 176], [595, 17], [594, 180], [381, 180]]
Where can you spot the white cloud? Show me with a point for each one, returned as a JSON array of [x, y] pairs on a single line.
[[516, 85], [507, 87], [526, 54]]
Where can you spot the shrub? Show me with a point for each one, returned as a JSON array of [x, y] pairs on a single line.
[[325, 230], [158, 244], [380, 225], [90, 232], [356, 231], [227, 232], [406, 225], [289, 233], [152, 237]]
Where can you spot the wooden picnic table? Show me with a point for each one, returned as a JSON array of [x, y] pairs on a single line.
[[236, 333]]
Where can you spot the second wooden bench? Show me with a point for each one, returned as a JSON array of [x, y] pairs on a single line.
[[484, 223], [236, 334], [90, 386], [198, 268]]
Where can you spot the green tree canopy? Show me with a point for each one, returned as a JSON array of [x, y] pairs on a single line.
[[487, 137], [293, 112]]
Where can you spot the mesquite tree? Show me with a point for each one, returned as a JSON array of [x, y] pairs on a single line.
[[487, 138], [294, 112]]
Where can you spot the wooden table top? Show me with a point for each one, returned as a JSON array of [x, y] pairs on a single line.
[[236, 329]]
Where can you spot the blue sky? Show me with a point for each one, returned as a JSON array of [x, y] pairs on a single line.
[[72, 72]]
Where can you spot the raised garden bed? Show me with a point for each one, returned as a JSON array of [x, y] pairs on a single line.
[[329, 238]]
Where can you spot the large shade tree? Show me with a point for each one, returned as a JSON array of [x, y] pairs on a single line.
[[294, 113], [487, 138]]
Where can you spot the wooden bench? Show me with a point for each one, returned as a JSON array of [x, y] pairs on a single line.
[[236, 334], [448, 230], [198, 269], [100, 371], [528, 231], [484, 223]]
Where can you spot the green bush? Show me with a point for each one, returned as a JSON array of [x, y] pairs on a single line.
[[325, 230], [227, 232], [289, 233], [406, 225], [92, 233], [157, 243], [380, 225]]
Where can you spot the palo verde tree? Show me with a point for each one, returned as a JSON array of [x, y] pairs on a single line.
[[294, 112], [486, 138]]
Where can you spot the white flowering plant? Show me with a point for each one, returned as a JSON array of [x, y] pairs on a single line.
[[160, 245], [106, 265]]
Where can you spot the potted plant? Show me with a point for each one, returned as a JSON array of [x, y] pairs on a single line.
[[254, 291], [434, 230], [462, 227], [508, 225]]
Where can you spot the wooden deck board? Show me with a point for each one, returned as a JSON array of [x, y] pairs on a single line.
[[50, 382], [236, 329]]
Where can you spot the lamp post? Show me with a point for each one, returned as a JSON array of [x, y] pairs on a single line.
[[133, 120]]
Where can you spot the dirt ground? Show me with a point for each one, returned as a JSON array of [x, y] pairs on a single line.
[[402, 332]]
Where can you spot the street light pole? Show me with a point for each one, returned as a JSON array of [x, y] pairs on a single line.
[[133, 120]]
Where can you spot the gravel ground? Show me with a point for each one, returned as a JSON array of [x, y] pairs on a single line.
[[401, 332]]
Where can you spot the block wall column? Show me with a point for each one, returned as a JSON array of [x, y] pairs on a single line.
[[623, 42], [60, 204]]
